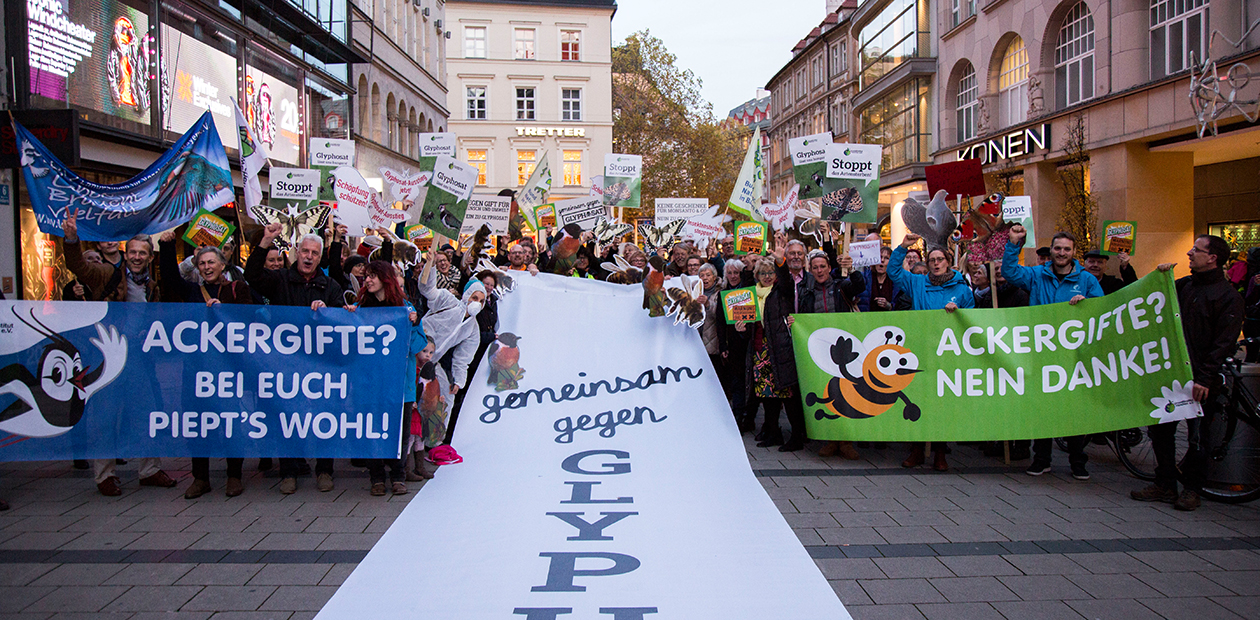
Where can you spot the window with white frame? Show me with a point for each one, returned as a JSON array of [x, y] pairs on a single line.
[[477, 159], [474, 41], [968, 104], [525, 162], [476, 99], [570, 45], [1074, 58], [572, 167], [525, 104], [1013, 84], [835, 60], [817, 65], [960, 11], [524, 43], [570, 104], [1178, 33]]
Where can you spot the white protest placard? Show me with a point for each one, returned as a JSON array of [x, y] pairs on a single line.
[[354, 200], [781, 214], [294, 184], [864, 253], [621, 515], [331, 152], [809, 149], [405, 185], [434, 144], [491, 210], [581, 211], [853, 161], [670, 209], [705, 227], [597, 185], [1018, 210]]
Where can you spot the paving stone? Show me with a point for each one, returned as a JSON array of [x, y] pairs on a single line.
[[146, 574], [290, 574], [1042, 587], [914, 534], [1244, 606], [252, 615], [1189, 608], [969, 533], [972, 589], [337, 574], [290, 541], [808, 536], [165, 540], [921, 517], [975, 517], [78, 599], [849, 592], [1041, 610], [221, 524], [1241, 582], [1172, 561], [153, 598], [849, 568], [850, 536], [219, 575], [1105, 563], [1231, 559], [812, 519], [12, 575], [1048, 564], [39, 540], [880, 504], [354, 542], [910, 567], [230, 598], [15, 599], [958, 611], [1124, 609], [885, 612], [78, 575], [299, 598], [863, 519], [1027, 531], [228, 541], [820, 505], [102, 540], [893, 591], [1113, 586], [979, 565], [1183, 584]]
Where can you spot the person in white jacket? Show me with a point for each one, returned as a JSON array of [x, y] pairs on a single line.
[[452, 324]]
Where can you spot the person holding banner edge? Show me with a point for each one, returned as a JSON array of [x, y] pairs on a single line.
[[1061, 279], [942, 287], [302, 284]]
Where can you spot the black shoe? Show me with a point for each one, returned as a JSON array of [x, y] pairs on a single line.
[[120, 461], [1079, 472], [80, 464], [792, 446], [770, 441], [1037, 468]]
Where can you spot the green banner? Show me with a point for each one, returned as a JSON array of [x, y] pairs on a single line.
[[1104, 364]]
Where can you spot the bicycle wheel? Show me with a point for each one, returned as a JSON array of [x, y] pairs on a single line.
[[1136, 452], [1232, 471]]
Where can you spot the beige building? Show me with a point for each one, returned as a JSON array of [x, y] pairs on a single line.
[[528, 80], [401, 93], [1017, 72]]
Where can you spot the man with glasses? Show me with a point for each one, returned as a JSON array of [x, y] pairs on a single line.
[[1211, 317], [1061, 279]]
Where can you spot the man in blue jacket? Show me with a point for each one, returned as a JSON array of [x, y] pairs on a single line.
[[1060, 279]]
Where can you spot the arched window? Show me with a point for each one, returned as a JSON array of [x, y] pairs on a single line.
[[1074, 58], [1178, 29], [1013, 84], [968, 104]]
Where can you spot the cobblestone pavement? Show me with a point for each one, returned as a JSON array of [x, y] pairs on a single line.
[[981, 541]]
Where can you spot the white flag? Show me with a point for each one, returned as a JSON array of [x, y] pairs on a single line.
[[253, 155], [535, 191], [746, 195]]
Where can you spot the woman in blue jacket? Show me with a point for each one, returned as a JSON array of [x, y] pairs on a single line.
[[942, 287]]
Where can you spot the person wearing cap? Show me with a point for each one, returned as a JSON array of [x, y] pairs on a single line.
[[1043, 255], [1096, 263]]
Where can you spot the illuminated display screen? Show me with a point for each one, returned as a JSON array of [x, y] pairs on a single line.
[[197, 77], [271, 107], [91, 53]]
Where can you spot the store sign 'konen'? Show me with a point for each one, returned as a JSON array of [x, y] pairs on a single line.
[[567, 132], [1014, 144]]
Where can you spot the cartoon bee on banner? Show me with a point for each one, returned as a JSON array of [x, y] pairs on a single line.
[[868, 376]]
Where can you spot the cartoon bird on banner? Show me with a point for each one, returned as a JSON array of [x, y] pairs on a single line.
[[989, 228], [935, 222], [505, 370], [564, 249], [868, 376], [52, 400], [654, 298]]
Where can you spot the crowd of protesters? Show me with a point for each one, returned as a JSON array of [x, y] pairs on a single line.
[[452, 303]]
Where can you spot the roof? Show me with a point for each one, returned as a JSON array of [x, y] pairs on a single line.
[[749, 106], [828, 24]]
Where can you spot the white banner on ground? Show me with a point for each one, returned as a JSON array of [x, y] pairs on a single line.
[[625, 493]]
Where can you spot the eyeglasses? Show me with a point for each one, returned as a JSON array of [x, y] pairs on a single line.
[[1196, 248], [938, 259]]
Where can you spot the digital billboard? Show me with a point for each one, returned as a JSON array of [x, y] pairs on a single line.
[[94, 54], [271, 107], [197, 77]]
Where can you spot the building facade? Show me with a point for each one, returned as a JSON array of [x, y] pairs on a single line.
[[401, 91], [1021, 74], [530, 80]]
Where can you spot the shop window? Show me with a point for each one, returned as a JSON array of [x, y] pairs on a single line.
[[1074, 58], [573, 167], [524, 43], [525, 104], [525, 162], [1178, 35], [901, 121], [570, 44], [967, 104], [571, 104], [477, 159], [1013, 84], [474, 42], [476, 98]]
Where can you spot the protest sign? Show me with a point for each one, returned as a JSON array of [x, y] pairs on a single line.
[[705, 227], [740, 304], [222, 381], [253, 155], [1057, 370], [354, 200], [622, 179], [1018, 210], [326, 155], [781, 214], [852, 183], [406, 186], [206, 228], [1118, 236], [489, 210], [545, 215], [581, 211], [192, 175], [750, 237], [592, 465], [434, 144], [670, 209], [597, 185], [419, 235], [448, 196], [865, 253], [957, 178], [749, 187]]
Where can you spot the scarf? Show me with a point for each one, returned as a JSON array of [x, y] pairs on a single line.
[[761, 293], [139, 279], [942, 280]]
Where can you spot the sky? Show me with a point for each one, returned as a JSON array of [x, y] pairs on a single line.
[[734, 47]]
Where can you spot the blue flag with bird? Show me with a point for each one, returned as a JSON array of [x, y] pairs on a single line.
[[192, 175]]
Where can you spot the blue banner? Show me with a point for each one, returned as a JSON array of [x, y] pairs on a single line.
[[103, 380], [193, 174]]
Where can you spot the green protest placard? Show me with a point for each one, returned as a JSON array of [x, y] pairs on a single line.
[[206, 228], [740, 304], [545, 215], [1119, 237], [750, 237], [1105, 364]]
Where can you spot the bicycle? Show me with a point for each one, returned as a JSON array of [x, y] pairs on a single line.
[[1132, 447]]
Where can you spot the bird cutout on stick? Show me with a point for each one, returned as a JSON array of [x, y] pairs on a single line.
[[809, 220], [654, 298], [684, 302], [505, 369], [564, 249], [621, 265], [935, 222], [706, 226], [293, 224], [660, 238], [843, 201], [505, 281], [989, 229]]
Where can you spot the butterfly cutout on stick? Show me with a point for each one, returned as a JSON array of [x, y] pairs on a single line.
[[842, 202], [684, 303], [617, 192], [607, 232], [660, 238], [294, 224]]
